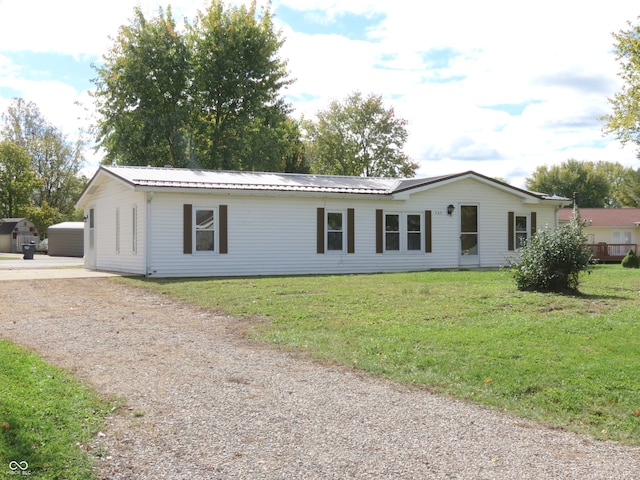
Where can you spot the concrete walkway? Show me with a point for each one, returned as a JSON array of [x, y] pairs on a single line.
[[14, 267]]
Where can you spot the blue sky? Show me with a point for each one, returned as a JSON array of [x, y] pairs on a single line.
[[499, 87]]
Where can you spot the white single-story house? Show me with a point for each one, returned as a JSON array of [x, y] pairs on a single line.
[[169, 222], [15, 232], [66, 239], [611, 232]]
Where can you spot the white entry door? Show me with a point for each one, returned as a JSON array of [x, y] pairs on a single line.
[[469, 239]]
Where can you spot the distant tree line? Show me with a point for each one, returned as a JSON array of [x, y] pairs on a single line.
[[600, 184], [39, 168]]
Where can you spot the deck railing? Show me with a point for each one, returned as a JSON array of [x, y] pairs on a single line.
[[611, 252]]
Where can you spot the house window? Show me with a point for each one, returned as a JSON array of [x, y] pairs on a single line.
[[403, 232], [521, 231], [335, 231], [621, 237], [392, 232], [204, 223], [205, 229], [414, 232]]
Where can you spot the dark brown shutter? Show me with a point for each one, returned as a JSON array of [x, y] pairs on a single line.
[[222, 225], [379, 232], [351, 231], [427, 231], [320, 231], [534, 223], [187, 229], [511, 238]]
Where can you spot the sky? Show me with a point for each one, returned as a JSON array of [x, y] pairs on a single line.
[[497, 87]]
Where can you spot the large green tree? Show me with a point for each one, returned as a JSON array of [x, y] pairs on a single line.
[[570, 177], [209, 96], [55, 160], [629, 192], [359, 137], [624, 121], [618, 178], [238, 79], [141, 94], [17, 178]]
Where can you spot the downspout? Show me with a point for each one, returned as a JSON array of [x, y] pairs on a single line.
[[147, 236]]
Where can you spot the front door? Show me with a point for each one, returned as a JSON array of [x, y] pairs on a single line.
[[469, 242]]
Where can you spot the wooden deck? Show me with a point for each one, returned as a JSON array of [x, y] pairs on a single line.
[[611, 252]]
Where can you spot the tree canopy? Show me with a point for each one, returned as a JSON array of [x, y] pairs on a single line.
[[358, 137], [17, 178], [209, 96], [54, 162], [624, 121], [600, 184]]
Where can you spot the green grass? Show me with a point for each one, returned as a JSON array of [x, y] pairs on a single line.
[[568, 361], [46, 418]]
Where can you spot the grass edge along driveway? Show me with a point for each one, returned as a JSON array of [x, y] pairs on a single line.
[[48, 419]]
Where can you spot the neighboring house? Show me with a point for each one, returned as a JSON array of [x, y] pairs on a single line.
[[14, 232], [66, 239], [611, 232], [168, 222]]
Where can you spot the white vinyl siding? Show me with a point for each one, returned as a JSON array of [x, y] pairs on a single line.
[[274, 234], [111, 226]]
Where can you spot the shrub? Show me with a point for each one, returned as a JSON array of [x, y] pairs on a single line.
[[553, 259], [631, 260]]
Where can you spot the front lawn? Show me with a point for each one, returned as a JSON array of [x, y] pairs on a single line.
[[47, 419], [569, 361]]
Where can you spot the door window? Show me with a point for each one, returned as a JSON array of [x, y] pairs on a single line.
[[469, 230]]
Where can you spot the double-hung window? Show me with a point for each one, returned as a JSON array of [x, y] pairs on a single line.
[[204, 221], [335, 231], [414, 232], [205, 229], [521, 231], [392, 232], [403, 232]]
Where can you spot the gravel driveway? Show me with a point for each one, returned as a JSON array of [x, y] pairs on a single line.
[[203, 402]]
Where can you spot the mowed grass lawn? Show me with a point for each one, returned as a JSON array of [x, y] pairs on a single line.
[[48, 419], [568, 361]]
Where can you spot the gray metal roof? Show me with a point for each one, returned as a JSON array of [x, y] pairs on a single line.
[[228, 180], [178, 178]]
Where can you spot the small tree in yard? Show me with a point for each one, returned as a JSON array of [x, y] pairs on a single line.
[[631, 260], [553, 259]]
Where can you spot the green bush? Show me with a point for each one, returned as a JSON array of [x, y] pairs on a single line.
[[631, 260], [553, 260]]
